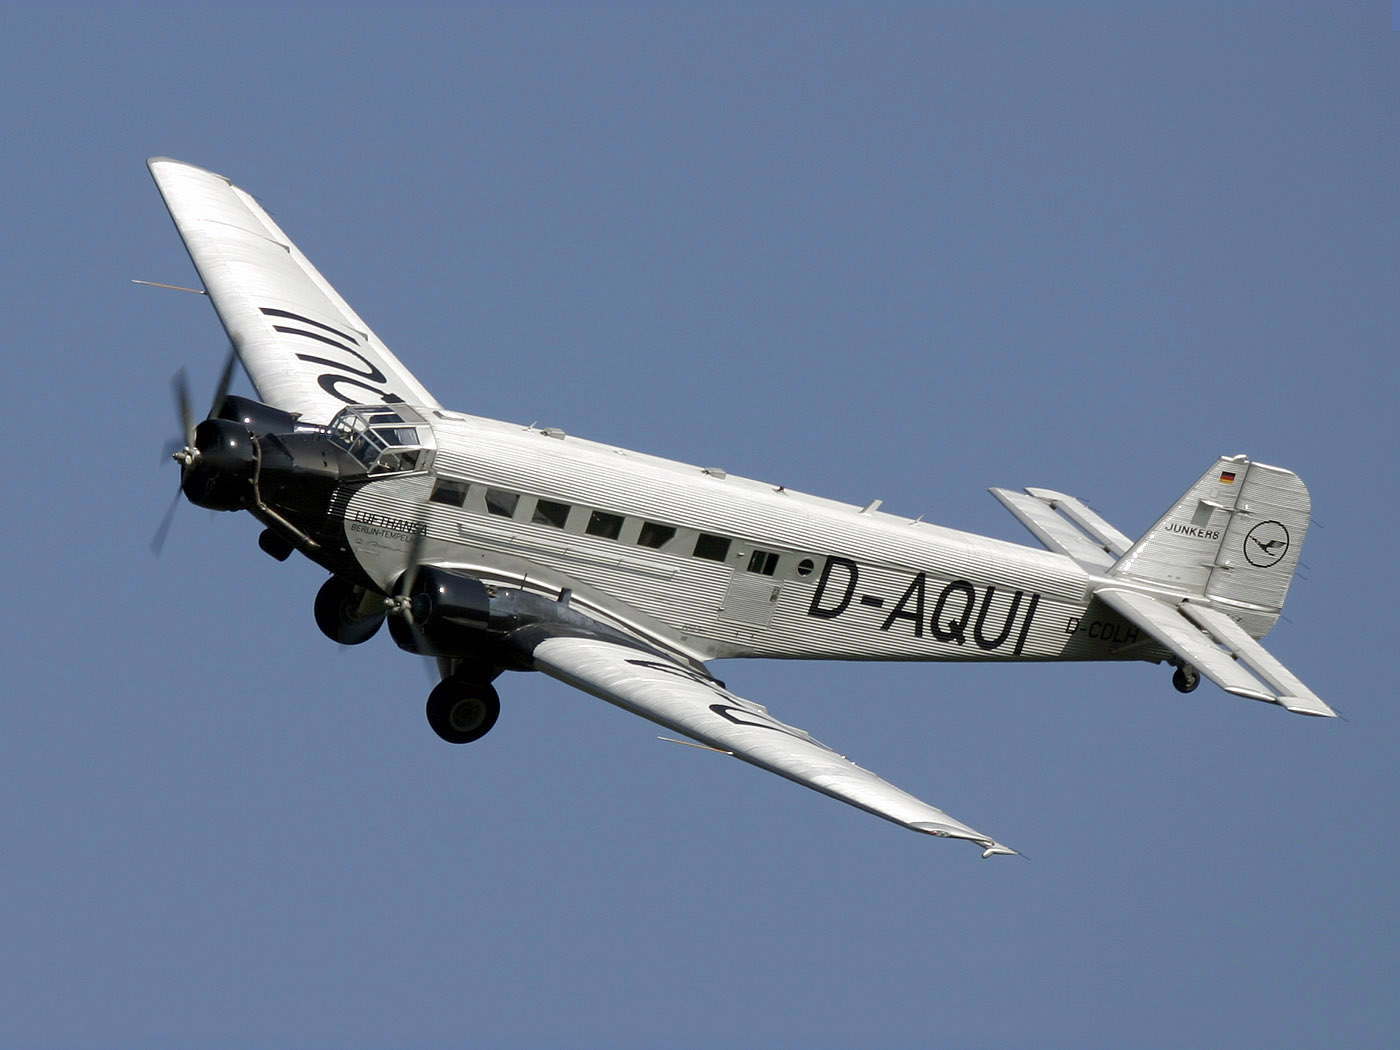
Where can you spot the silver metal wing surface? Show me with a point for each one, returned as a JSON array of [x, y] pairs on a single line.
[[686, 701], [305, 349]]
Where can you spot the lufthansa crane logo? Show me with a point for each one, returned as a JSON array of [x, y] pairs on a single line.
[[1266, 544]]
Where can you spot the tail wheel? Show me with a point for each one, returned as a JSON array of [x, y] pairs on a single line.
[[1186, 678], [461, 711]]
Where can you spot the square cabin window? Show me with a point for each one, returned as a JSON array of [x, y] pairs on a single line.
[[449, 491], [553, 514], [499, 501], [715, 548], [765, 562], [608, 526], [655, 535]]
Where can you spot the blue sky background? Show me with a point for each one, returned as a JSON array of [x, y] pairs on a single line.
[[887, 251]]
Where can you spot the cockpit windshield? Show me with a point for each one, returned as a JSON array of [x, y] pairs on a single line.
[[386, 440]]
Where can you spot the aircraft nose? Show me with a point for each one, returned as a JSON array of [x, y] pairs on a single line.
[[219, 473]]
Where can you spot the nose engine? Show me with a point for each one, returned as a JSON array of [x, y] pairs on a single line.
[[251, 456], [220, 466]]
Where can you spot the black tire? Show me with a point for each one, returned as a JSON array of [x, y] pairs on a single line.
[[461, 711], [338, 613], [1185, 681]]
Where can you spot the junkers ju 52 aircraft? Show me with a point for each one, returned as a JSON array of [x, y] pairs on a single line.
[[491, 546]]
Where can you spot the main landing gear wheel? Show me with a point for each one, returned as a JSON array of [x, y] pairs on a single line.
[[1186, 679], [461, 712]]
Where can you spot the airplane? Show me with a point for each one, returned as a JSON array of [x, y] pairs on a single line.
[[490, 546]]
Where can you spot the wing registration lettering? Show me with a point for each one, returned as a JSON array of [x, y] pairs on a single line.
[[305, 349], [344, 373], [736, 709]]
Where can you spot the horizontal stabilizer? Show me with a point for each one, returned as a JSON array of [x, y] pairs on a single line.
[[1219, 648], [1066, 525], [1289, 691], [1079, 512]]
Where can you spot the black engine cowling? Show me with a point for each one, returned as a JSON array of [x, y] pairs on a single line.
[[225, 464], [449, 614], [251, 455], [255, 416], [456, 616]]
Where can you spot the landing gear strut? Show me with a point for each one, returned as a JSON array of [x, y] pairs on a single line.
[[461, 711], [1186, 678]]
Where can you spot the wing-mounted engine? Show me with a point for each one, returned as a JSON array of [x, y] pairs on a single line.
[[475, 631], [453, 615], [442, 613]]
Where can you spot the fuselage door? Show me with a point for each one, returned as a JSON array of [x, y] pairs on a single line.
[[754, 590]]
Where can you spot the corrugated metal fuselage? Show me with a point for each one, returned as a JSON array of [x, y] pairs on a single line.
[[720, 566]]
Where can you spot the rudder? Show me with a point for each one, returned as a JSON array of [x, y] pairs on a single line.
[[1234, 536]]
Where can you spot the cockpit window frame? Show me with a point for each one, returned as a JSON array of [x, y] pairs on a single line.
[[384, 439]]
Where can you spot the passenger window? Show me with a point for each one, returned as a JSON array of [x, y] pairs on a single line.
[[608, 526], [715, 548], [449, 491], [765, 562], [499, 501], [654, 535], [547, 513]]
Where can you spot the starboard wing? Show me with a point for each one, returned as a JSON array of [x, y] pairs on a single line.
[[303, 346], [688, 702]]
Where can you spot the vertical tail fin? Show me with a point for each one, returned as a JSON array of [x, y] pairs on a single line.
[[1206, 582], [1234, 536]]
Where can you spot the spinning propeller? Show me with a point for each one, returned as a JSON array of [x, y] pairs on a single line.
[[195, 445], [351, 614], [403, 601]]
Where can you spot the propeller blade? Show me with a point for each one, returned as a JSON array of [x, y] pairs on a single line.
[[163, 530], [410, 572], [401, 604], [181, 384], [225, 381]]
